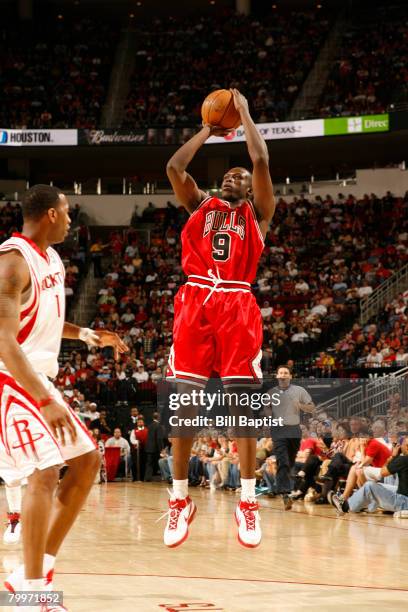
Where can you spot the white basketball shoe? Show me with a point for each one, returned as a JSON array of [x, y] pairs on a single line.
[[249, 523], [180, 514], [14, 582]]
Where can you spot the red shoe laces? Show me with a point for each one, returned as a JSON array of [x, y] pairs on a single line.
[[248, 510], [176, 507]]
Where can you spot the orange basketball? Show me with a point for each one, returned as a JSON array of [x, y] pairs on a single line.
[[218, 109]]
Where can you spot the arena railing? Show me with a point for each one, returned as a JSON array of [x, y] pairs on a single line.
[[371, 305], [368, 397]]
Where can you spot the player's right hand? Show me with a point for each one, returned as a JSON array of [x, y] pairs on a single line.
[[59, 420]]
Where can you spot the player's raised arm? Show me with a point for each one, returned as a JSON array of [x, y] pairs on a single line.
[[184, 186], [264, 200]]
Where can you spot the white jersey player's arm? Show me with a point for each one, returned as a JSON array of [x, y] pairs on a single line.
[[71, 331], [14, 280], [93, 337]]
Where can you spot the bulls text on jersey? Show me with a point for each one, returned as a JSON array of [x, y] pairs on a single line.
[[222, 221]]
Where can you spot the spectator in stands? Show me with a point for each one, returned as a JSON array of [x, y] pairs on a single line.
[[401, 357], [132, 421], [138, 440], [92, 413], [212, 462], [55, 74], [375, 453], [266, 311], [358, 83], [141, 376], [338, 446], [267, 472], [96, 250], [162, 94], [101, 423], [101, 477], [166, 463], [374, 495], [307, 465], [374, 359], [351, 453], [117, 441]]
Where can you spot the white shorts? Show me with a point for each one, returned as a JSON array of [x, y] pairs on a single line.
[[26, 441]]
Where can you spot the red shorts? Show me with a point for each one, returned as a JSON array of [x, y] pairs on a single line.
[[221, 335]]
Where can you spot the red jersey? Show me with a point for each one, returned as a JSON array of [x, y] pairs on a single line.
[[312, 444], [222, 239], [378, 452]]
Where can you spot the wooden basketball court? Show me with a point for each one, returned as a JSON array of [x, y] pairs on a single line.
[[115, 560]]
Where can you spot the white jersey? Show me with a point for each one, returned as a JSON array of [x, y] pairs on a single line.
[[42, 316]]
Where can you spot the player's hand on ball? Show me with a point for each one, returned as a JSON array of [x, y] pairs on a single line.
[[216, 130], [240, 101], [108, 338], [59, 420]]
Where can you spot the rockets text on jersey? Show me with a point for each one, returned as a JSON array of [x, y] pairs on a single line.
[[42, 316], [222, 237]]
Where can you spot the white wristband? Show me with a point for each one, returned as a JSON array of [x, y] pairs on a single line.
[[86, 334]]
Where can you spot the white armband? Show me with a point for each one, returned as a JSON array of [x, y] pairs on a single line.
[[87, 335]]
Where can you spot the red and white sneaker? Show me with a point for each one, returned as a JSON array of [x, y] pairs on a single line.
[[248, 521], [14, 582], [180, 514], [13, 531]]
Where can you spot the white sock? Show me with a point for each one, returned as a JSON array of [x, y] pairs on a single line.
[[48, 563], [247, 488], [180, 488], [13, 495], [34, 585]]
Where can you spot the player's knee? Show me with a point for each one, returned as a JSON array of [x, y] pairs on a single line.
[[83, 469], [87, 464], [96, 460], [44, 480]]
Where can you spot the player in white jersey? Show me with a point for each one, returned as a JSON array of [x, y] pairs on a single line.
[[38, 431]]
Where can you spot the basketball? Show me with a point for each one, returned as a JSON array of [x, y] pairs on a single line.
[[218, 110]]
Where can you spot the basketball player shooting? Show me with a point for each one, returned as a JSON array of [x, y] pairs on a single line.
[[217, 322], [39, 432]]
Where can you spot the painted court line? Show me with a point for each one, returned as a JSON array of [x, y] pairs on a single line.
[[257, 580]]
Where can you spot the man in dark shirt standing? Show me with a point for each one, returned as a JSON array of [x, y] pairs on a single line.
[[131, 423], [373, 495], [286, 439], [154, 445]]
